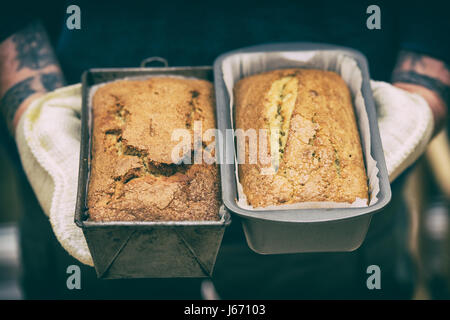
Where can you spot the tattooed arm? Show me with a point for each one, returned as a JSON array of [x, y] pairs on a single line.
[[28, 68], [428, 77]]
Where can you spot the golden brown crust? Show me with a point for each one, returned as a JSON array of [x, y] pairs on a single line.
[[322, 158], [132, 174]]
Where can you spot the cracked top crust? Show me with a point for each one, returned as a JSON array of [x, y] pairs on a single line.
[[313, 139], [133, 176]]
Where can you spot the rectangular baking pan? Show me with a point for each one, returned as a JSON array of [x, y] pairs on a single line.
[[144, 249], [300, 230]]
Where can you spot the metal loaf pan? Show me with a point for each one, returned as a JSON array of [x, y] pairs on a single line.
[[144, 249], [300, 230]]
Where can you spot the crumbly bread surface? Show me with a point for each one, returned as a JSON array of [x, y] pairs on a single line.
[[313, 142], [133, 177]]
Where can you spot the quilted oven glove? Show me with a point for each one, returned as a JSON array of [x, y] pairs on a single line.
[[48, 138]]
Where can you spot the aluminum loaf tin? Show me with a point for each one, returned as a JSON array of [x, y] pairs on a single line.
[[300, 230], [144, 249]]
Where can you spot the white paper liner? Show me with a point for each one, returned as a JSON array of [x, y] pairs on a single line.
[[242, 65]]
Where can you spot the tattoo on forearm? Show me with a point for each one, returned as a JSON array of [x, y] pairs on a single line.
[[415, 59], [13, 98], [421, 70], [33, 47], [51, 81], [35, 59], [430, 83], [17, 94]]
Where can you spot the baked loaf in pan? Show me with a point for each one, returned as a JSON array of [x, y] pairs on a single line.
[[312, 138], [132, 173]]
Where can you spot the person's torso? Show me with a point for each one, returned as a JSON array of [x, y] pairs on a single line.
[[122, 34]]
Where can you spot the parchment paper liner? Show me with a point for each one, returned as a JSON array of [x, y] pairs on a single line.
[[241, 65]]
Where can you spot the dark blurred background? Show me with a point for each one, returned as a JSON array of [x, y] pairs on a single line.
[[10, 211]]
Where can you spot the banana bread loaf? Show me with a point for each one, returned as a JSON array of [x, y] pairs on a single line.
[[312, 138], [132, 173]]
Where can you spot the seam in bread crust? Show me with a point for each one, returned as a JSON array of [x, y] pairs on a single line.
[[280, 102]]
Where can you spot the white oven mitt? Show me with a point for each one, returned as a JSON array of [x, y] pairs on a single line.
[[406, 125], [48, 138]]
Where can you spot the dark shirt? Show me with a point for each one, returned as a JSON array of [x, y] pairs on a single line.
[[123, 33]]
